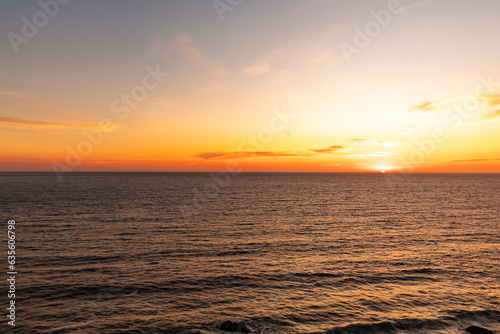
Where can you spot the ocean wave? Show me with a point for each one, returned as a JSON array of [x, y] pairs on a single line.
[[266, 281], [418, 325]]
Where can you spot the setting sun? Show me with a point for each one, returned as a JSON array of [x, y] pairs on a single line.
[[232, 166], [178, 95]]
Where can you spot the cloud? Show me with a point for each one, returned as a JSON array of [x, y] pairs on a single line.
[[27, 122], [313, 56], [409, 130], [385, 143], [417, 4], [195, 57], [328, 150], [473, 160], [436, 105], [243, 154], [488, 105], [321, 56], [14, 94], [258, 68], [492, 114], [426, 106], [368, 155], [493, 102], [273, 154]]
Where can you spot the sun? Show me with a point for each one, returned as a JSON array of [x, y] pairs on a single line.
[[383, 168]]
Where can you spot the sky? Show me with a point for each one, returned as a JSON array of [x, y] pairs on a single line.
[[264, 85]]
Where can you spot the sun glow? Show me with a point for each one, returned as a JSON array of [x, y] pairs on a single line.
[[383, 168], [253, 104]]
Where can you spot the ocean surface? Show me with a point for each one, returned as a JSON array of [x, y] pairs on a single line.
[[286, 253]]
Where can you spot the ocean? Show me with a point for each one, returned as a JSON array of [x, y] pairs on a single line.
[[286, 253]]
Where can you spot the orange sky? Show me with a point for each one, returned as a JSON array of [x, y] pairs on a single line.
[[268, 86]]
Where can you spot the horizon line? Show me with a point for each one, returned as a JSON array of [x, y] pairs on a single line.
[[251, 172]]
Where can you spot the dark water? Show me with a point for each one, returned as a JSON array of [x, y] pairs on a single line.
[[288, 253]]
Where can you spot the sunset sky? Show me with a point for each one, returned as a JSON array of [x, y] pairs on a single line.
[[264, 83]]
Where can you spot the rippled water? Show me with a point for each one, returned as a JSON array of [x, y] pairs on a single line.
[[287, 253]]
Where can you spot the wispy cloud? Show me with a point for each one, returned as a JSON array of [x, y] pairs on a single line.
[[27, 122], [260, 67], [328, 150], [473, 160], [314, 55], [435, 105], [321, 55], [426, 106], [385, 143], [369, 155], [195, 57], [418, 4], [488, 104], [14, 94], [245, 154], [410, 130], [274, 154], [491, 114], [493, 101]]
